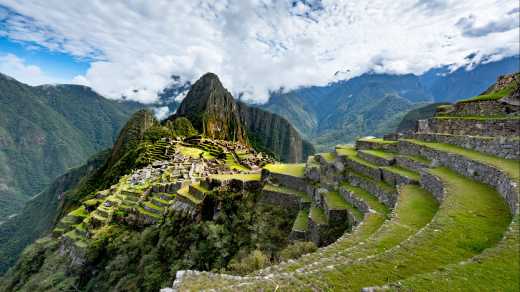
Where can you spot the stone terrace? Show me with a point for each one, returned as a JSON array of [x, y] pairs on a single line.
[[415, 211]]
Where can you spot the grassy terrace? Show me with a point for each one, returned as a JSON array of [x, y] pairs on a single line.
[[379, 153], [317, 215], [511, 167], [417, 158], [148, 213], [240, 176], [185, 192], [336, 202], [377, 140], [471, 218], [233, 164], [194, 152], [352, 155], [329, 157], [296, 170], [372, 202], [403, 172], [415, 209], [494, 95], [284, 190], [496, 269], [300, 224], [381, 184]]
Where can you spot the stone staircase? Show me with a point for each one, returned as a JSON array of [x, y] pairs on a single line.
[[431, 210]]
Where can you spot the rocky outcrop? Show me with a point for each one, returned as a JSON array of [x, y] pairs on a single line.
[[212, 110], [271, 132]]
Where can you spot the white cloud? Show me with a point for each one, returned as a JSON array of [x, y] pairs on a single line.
[[17, 68], [260, 45], [161, 113]]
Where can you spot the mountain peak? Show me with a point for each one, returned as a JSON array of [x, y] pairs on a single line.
[[212, 110]]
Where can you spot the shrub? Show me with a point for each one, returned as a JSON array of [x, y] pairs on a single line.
[[254, 261], [297, 249]]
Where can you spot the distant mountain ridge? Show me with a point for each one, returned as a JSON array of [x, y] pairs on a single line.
[[375, 104], [45, 130]]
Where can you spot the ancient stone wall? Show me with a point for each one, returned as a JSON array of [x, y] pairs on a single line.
[[506, 147], [484, 173], [483, 108], [472, 127]]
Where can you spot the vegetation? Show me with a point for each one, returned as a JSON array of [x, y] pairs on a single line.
[[296, 170]]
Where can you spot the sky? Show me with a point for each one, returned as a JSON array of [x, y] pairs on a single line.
[[132, 48]]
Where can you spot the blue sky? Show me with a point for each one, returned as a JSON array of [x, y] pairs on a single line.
[[61, 66], [132, 48]]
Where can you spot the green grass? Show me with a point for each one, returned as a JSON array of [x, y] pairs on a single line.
[[300, 224], [403, 172], [381, 184], [194, 152], [185, 192], [233, 164], [351, 153], [511, 167], [472, 217], [158, 199], [329, 157], [418, 158], [148, 213], [336, 202], [240, 176], [372, 202], [377, 140], [492, 96], [496, 269], [318, 216], [379, 153], [296, 170], [200, 188], [79, 212], [284, 190]]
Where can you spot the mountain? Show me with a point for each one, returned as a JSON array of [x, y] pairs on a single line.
[[374, 104], [409, 121], [342, 111], [43, 211], [464, 83], [214, 112], [45, 130]]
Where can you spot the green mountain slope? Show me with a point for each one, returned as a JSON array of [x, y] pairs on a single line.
[[46, 130]]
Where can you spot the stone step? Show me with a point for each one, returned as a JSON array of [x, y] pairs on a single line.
[[479, 218], [396, 175], [338, 210], [376, 144], [300, 227], [361, 199], [287, 175], [318, 226], [286, 197], [503, 174], [385, 193], [378, 157], [159, 202], [412, 162], [471, 125], [198, 191], [505, 147], [150, 207], [350, 159]]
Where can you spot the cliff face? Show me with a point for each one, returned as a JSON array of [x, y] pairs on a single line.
[[272, 133], [212, 110]]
